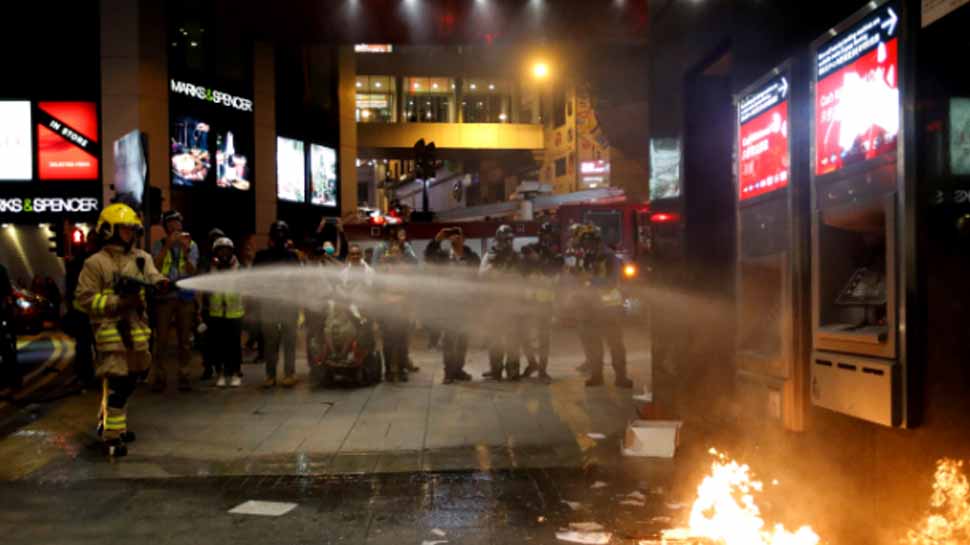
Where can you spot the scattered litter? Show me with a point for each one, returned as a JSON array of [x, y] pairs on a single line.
[[586, 538], [646, 397], [574, 505], [438, 532], [598, 484], [596, 436], [637, 495], [676, 506], [438, 542], [651, 438], [661, 520], [586, 526], [263, 508], [633, 503]]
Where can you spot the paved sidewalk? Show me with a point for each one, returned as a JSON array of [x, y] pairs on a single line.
[[418, 426]]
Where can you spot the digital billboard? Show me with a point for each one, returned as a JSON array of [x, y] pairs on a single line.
[[16, 157], [664, 168], [857, 93], [290, 170], [130, 167], [212, 143], [67, 141], [960, 136], [323, 175], [764, 163], [232, 163]]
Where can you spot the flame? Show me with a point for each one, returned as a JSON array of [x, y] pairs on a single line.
[[725, 511], [948, 522]]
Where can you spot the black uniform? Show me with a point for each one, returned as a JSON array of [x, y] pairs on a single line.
[[542, 272], [504, 350], [601, 319], [454, 340], [279, 324]]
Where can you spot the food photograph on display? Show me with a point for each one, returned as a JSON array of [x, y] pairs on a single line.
[[857, 95], [232, 166], [323, 176], [191, 160]]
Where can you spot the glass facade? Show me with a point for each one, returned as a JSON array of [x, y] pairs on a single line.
[[429, 100], [486, 101], [376, 99], [440, 100]]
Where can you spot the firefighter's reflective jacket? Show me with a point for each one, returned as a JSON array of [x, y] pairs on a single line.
[[96, 295]]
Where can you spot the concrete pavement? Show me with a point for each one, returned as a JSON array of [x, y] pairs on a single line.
[[418, 426]]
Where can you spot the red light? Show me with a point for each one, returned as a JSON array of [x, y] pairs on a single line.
[[77, 236], [377, 220], [664, 217]]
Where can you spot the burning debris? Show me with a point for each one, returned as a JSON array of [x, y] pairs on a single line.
[[725, 512], [948, 522]]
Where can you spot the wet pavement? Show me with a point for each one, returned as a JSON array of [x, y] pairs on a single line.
[[414, 463], [473, 507]]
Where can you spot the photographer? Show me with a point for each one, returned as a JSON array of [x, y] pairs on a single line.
[[224, 313], [176, 256], [448, 249]]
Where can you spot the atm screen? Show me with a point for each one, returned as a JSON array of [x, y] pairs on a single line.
[[857, 93], [763, 158]]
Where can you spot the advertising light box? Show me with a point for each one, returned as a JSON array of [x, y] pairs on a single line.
[[67, 141], [323, 175], [290, 170], [857, 93], [960, 136], [664, 168], [764, 163], [16, 157]]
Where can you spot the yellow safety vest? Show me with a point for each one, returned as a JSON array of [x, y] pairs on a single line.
[[167, 262], [226, 305]]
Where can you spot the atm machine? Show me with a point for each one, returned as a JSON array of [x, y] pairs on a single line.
[[861, 238], [771, 175]]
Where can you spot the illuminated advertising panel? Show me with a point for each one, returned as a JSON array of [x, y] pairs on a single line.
[[960, 136], [857, 93], [16, 157], [664, 168], [67, 141], [290, 170], [764, 163], [323, 175]]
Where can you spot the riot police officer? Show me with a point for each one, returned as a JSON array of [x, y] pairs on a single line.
[[542, 265], [505, 348], [597, 271]]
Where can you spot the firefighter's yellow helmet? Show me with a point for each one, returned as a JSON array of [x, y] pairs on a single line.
[[114, 216]]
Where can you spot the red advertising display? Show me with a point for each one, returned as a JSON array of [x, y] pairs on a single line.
[[67, 141], [764, 165], [857, 94]]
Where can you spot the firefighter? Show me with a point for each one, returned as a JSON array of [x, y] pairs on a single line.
[[224, 314], [112, 291], [505, 350], [542, 265], [599, 306]]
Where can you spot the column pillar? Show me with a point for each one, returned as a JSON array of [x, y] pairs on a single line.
[[347, 102], [264, 126]]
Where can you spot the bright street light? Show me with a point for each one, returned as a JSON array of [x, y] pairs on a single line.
[[540, 70]]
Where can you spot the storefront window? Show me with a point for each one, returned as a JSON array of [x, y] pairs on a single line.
[[429, 100], [376, 99], [486, 101]]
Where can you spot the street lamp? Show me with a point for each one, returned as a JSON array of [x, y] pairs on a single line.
[[540, 70]]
